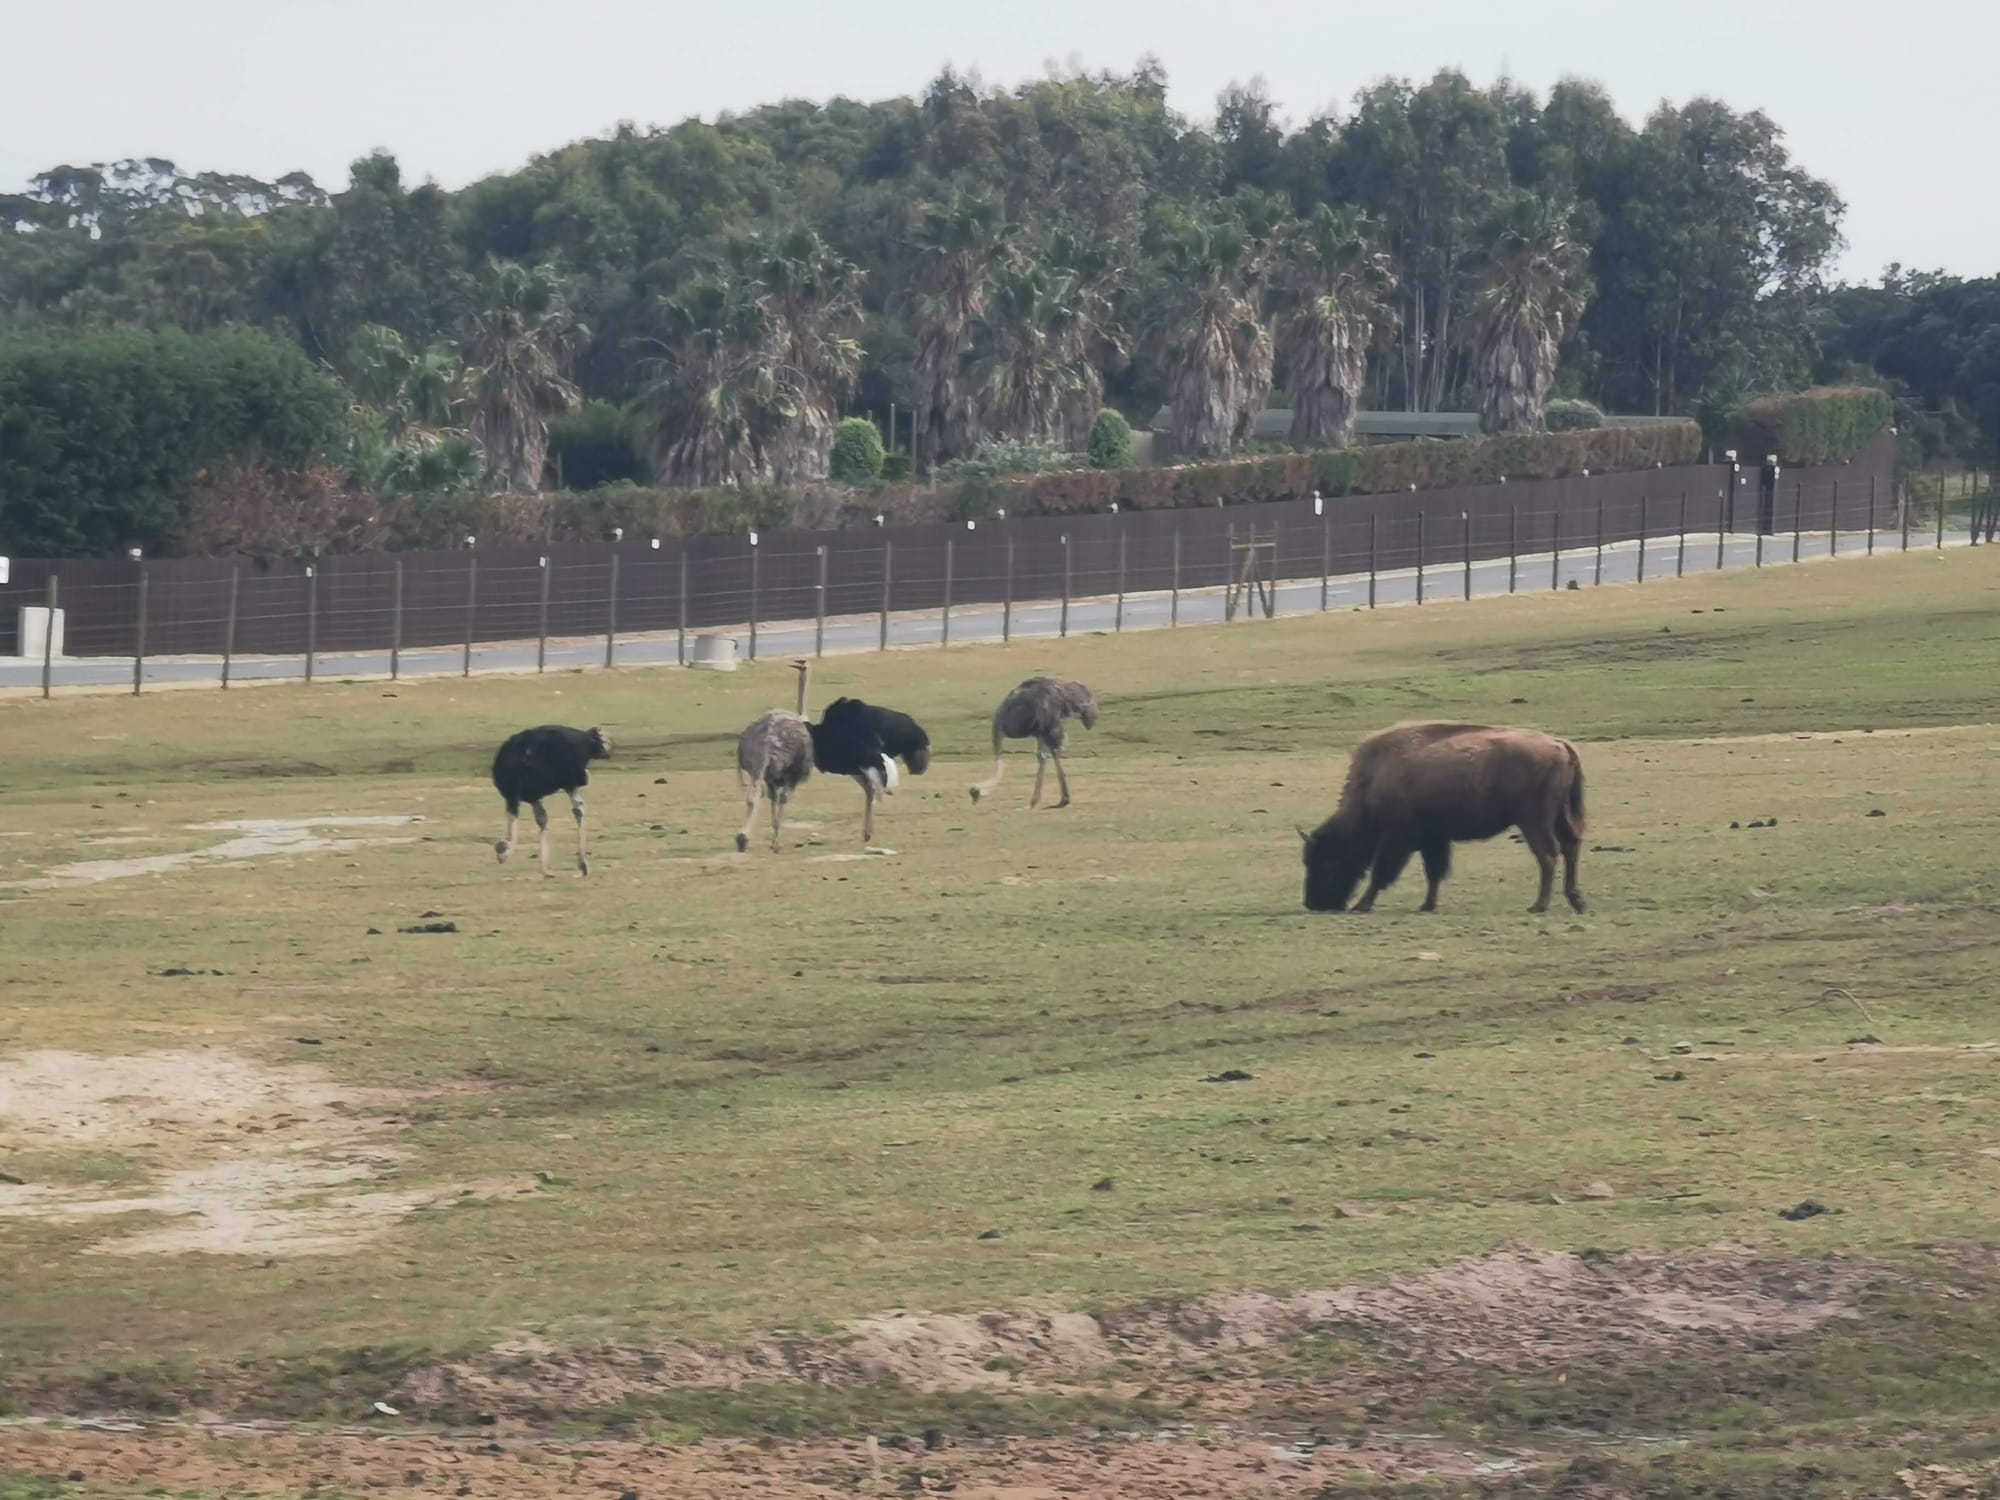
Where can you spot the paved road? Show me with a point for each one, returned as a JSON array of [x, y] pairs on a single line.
[[972, 623]]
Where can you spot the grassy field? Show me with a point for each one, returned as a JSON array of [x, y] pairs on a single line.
[[703, 1099]]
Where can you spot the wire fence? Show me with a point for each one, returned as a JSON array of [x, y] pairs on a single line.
[[433, 611]]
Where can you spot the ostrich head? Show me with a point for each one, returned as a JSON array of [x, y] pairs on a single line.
[[600, 745], [1336, 858]]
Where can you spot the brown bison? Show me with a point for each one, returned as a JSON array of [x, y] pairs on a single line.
[[1420, 788]]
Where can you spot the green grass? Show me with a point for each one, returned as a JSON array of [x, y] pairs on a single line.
[[776, 1094]]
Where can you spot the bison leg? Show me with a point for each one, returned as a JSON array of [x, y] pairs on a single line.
[[1542, 844], [1388, 869], [1437, 865], [1572, 847]]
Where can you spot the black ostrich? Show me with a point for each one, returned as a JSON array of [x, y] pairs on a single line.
[[538, 762], [902, 737], [848, 741]]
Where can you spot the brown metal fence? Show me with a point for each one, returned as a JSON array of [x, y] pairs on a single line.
[[412, 600]]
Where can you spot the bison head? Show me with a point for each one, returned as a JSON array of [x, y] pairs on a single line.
[[1336, 859]]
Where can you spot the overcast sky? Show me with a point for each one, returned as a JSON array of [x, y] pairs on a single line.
[[1894, 104]]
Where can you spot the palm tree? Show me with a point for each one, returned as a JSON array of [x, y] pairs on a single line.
[[409, 433], [1033, 364], [720, 396], [1218, 342], [813, 296], [1095, 276], [519, 344], [1535, 285], [1335, 282], [958, 242]]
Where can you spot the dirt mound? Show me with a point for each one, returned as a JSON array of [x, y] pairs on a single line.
[[1515, 1310]]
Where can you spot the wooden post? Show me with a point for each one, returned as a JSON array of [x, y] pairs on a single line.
[[1681, 551], [1513, 547], [1556, 544], [396, 625], [1063, 628], [1229, 576], [611, 615], [1325, 552], [888, 562], [1598, 577], [1465, 545], [1374, 529], [1420, 557], [681, 638], [1798, 515], [542, 638], [1174, 600], [1940, 518], [1722, 523], [312, 614], [139, 633], [229, 627], [819, 620], [1903, 512], [1642, 538], [945, 638], [471, 607], [1760, 541], [1118, 619], [49, 637], [1833, 523], [1872, 520], [755, 552], [1007, 596]]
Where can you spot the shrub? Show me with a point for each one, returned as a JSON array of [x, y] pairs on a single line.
[[857, 452], [104, 435], [896, 466], [1825, 425], [1566, 414], [998, 458], [595, 445], [1111, 445]]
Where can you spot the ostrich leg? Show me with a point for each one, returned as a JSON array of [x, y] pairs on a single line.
[[542, 822], [778, 800], [582, 835], [1062, 779], [506, 846], [750, 821], [868, 814], [1041, 773], [984, 787]]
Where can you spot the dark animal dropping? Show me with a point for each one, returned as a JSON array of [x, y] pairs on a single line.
[[1232, 1075]]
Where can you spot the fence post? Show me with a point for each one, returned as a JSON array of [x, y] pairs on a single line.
[[888, 561], [1374, 530], [1871, 515], [542, 638], [1063, 628], [945, 638], [1940, 523], [49, 637], [1722, 522], [139, 635], [611, 614], [1174, 601], [681, 637], [229, 628], [1325, 548], [1556, 544], [1007, 596], [312, 614], [1798, 515], [1681, 551], [1118, 619], [1833, 524], [471, 607], [1760, 540], [396, 626], [1465, 545], [1513, 547], [1229, 576], [755, 555], [1420, 556], [1598, 576], [1642, 538], [1903, 512], [819, 620]]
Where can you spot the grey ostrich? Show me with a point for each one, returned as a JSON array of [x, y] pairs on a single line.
[[1038, 710], [775, 756]]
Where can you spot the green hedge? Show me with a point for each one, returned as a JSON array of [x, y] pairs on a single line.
[[1379, 469], [1825, 425]]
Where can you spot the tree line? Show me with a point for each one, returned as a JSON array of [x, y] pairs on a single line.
[[702, 304]]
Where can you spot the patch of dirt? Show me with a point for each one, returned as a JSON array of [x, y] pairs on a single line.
[[1176, 1467], [256, 838], [246, 1159], [1519, 1310]]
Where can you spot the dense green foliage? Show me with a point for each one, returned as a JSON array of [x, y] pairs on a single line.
[[104, 435], [1938, 338], [1566, 414], [857, 452], [1812, 427], [1111, 445], [595, 445]]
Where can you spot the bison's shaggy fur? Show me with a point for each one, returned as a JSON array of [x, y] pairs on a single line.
[[1420, 788]]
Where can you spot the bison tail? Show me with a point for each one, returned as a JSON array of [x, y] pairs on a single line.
[[1574, 809]]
